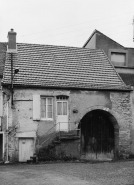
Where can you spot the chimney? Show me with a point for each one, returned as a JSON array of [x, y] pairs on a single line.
[[11, 42]]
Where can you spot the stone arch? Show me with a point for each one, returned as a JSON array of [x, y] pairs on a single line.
[[112, 118]]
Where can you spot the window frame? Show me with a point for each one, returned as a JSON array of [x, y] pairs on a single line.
[[61, 101], [120, 51], [46, 97]]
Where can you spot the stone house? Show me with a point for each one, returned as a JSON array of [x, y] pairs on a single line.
[[121, 57], [68, 99]]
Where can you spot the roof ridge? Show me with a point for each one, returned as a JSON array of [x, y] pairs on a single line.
[[57, 46]]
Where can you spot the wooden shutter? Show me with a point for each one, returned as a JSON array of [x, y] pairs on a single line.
[[1, 105], [36, 107]]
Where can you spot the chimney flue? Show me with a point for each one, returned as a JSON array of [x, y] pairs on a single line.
[[12, 41]]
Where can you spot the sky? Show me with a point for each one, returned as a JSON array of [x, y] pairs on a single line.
[[67, 22]]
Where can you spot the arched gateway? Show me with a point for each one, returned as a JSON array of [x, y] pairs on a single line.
[[99, 135]]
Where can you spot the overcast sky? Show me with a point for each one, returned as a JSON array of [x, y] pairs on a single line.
[[67, 22]]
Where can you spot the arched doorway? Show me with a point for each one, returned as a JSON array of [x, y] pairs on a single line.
[[99, 135]]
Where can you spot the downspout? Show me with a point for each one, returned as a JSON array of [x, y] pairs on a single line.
[[7, 161], [11, 79], [7, 133], [11, 48]]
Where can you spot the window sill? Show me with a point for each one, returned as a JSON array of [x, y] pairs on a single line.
[[46, 119]]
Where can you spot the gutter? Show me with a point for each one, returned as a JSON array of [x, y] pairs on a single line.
[[128, 88]]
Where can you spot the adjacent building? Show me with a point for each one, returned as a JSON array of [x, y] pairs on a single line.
[[121, 57]]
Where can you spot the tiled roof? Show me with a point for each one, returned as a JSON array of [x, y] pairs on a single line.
[[128, 79], [3, 48], [59, 66]]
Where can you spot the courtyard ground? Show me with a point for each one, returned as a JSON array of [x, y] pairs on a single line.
[[107, 173]]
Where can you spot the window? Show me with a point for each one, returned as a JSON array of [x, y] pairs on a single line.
[[118, 59], [46, 108], [62, 97], [62, 108], [62, 105]]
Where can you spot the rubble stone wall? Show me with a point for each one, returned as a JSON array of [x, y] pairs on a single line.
[[79, 103]]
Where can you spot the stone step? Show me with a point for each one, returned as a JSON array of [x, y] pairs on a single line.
[[56, 142], [33, 159], [69, 137], [29, 161], [51, 145]]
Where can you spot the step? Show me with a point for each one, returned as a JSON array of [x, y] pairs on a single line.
[[51, 146], [29, 161], [34, 159], [56, 142], [69, 138], [68, 134]]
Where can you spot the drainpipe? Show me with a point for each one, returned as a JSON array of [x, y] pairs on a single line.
[[11, 48], [12, 79], [7, 134]]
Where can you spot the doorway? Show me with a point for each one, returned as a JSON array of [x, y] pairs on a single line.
[[98, 135], [26, 149], [1, 146], [62, 113]]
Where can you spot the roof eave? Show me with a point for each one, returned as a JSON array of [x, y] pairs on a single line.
[[68, 88]]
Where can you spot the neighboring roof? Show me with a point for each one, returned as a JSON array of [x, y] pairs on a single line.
[[96, 31], [127, 78], [60, 66], [3, 48]]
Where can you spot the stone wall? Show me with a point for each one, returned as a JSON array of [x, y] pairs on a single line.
[[132, 125], [116, 103], [121, 105]]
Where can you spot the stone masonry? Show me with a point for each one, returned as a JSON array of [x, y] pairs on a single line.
[[116, 103]]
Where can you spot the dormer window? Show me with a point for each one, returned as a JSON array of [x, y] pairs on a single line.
[[118, 57]]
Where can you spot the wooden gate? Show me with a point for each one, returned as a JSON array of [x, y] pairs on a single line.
[[97, 136]]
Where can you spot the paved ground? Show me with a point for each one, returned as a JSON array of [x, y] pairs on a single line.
[[108, 173]]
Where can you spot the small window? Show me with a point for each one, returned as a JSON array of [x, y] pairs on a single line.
[[118, 59], [46, 108], [62, 97], [62, 108]]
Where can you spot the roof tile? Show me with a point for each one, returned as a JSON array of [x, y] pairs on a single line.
[[127, 78]]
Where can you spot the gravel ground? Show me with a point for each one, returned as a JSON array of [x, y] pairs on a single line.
[[108, 173]]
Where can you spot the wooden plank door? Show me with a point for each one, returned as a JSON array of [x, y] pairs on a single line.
[[26, 148]]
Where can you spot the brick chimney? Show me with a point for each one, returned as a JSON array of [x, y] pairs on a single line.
[[12, 48]]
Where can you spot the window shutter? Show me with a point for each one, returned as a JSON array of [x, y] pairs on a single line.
[[36, 107], [1, 105]]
